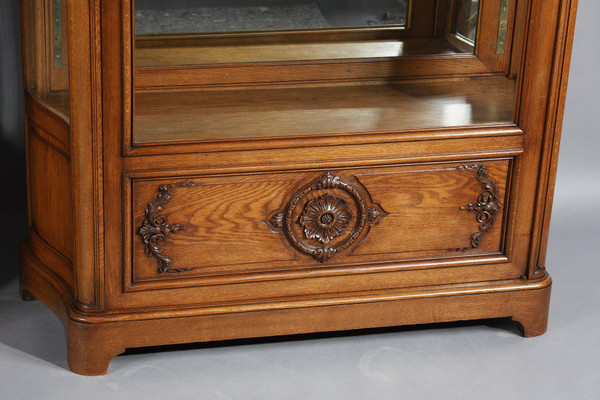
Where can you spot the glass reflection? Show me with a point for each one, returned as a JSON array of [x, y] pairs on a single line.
[[153, 17], [466, 18]]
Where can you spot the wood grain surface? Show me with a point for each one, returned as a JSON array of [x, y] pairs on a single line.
[[226, 229], [234, 53]]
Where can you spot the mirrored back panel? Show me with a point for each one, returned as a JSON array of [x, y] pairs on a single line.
[[208, 16]]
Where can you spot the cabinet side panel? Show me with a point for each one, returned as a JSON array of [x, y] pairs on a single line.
[[562, 60], [51, 219]]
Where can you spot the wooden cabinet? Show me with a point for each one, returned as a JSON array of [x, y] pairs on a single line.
[[204, 171]]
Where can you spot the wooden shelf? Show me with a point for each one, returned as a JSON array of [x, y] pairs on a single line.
[[163, 117], [161, 54]]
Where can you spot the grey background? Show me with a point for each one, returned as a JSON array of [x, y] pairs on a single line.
[[435, 362]]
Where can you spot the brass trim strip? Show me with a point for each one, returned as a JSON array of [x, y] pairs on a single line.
[[502, 27], [57, 34]]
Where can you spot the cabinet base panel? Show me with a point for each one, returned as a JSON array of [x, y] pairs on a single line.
[[93, 339]]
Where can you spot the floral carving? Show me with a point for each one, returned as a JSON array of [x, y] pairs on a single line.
[[325, 218], [155, 230], [485, 208], [327, 221]]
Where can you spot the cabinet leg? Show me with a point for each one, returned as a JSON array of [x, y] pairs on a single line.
[[86, 359], [532, 325], [89, 349], [26, 294], [532, 313]]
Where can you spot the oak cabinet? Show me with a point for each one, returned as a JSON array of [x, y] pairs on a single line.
[[203, 170]]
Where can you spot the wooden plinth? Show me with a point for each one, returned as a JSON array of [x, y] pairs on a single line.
[[94, 339]]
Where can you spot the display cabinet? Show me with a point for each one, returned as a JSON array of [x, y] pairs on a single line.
[[204, 170]]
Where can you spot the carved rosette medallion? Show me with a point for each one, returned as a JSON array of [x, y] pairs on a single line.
[[326, 217], [155, 230], [485, 208]]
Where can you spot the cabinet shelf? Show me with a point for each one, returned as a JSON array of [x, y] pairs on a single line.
[[285, 112], [174, 51]]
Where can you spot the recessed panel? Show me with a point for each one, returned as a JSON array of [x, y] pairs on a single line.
[[230, 226]]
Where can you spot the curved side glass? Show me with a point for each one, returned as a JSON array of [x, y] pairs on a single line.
[[466, 19], [46, 62]]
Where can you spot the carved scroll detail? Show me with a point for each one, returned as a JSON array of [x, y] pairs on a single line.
[[485, 208], [155, 230], [333, 215]]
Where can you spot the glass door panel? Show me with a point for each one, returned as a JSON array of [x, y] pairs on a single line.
[[236, 69]]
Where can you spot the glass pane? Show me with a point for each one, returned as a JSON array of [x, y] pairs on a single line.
[[200, 32], [465, 19], [46, 36], [154, 17], [291, 68]]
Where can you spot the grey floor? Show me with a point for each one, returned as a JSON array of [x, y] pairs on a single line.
[[469, 361]]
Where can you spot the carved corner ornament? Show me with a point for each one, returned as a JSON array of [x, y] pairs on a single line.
[[155, 230], [326, 217], [485, 208]]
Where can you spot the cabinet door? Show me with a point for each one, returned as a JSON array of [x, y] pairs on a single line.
[[227, 71]]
